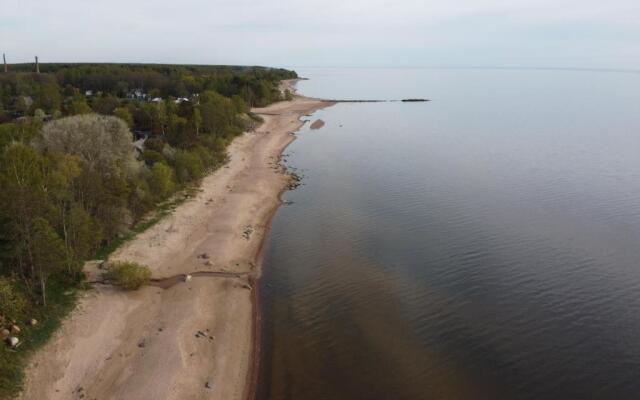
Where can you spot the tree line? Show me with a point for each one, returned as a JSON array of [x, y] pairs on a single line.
[[86, 150]]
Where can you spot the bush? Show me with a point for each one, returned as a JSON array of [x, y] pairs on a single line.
[[12, 302], [154, 144], [161, 181], [151, 157], [129, 275], [188, 166]]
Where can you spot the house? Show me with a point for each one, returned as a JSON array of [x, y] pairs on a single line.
[[88, 93], [157, 100], [137, 94], [180, 100]]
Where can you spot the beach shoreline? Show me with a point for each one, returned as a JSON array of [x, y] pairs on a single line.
[[198, 338]]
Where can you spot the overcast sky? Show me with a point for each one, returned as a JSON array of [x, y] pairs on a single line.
[[371, 33]]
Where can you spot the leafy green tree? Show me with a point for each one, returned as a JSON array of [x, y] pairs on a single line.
[[79, 106], [159, 118], [152, 157], [84, 235], [197, 120], [124, 114], [161, 181], [106, 105], [70, 91], [239, 104], [23, 198], [218, 113], [155, 144], [188, 166], [48, 98], [61, 171], [48, 253]]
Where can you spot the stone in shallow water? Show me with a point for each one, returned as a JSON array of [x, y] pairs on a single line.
[[317, 124]]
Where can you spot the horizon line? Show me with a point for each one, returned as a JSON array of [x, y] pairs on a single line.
[[469, 67]]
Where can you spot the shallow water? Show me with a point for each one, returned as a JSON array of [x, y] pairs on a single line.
[[484, 245]]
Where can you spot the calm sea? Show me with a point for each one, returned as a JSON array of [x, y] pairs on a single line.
[[484, 245]]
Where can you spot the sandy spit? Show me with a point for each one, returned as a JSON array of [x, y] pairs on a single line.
[[193, 340]]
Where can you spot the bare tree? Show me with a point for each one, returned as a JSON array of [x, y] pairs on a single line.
[[103, 142]]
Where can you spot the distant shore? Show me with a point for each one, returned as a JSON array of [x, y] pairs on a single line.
[[199, 337]]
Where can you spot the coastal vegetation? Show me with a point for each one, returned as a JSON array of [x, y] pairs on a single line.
[[128, 275], [87, 152]]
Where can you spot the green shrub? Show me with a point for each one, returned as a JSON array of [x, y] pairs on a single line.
[[161, 181], [188, 166], [155, 144], [12, 301], [151, 157], [129, 275]]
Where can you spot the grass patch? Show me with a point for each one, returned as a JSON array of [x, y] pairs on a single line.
[[61, 297]]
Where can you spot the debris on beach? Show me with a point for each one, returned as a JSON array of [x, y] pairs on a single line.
[[187, 278], [201, 334], [204, 256], [248, 230]]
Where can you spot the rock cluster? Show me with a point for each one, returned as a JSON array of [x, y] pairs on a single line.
[[9, 331]]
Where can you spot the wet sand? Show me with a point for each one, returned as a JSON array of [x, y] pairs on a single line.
[[184, 340]]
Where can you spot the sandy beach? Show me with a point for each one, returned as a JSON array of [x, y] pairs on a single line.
[[195, 339]]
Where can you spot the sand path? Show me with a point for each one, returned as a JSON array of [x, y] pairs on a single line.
[[194, 340]]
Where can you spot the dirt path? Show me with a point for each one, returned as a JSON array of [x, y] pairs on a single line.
[[190, 340]]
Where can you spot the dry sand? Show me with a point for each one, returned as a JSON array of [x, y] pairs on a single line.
[[196, 339]]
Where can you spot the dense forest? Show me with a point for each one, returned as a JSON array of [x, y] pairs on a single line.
[[87, 150]]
